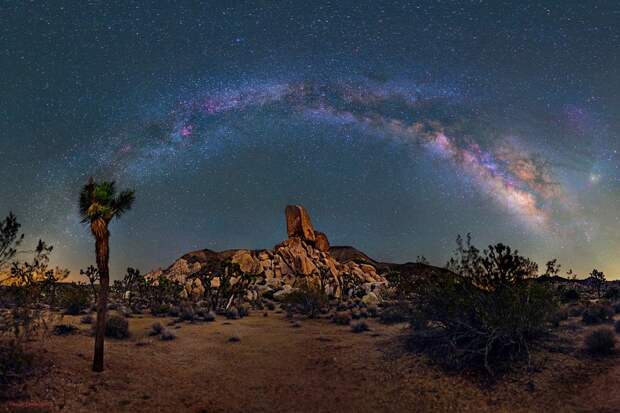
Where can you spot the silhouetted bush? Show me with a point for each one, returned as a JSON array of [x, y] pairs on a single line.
[[232, 313], [86, 319], [64, 329], [75, 299], [575, 310], [117, 327], [15, 364], [398, 312], [486, 314], [342, 317], [597, 313], [612, 293], [560, 315], [600, 342], [570, 296], [359, 327], [156, 329]]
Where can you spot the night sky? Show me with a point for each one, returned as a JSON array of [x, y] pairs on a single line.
[[397, 124]]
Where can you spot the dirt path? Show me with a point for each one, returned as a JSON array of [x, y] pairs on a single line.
[[318, 367]]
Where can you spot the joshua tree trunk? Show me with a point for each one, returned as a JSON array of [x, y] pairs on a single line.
[[99, 229]]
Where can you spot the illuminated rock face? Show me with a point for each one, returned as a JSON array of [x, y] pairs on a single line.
[[298, 223], [303, 258]]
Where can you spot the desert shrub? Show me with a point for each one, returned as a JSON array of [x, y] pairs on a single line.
[[359, 327], [117, 327], [600, 342], [75, 299], [86, 319], [570, 296], [232, 313], [210, 316], [342, 318], [612, 293], [617, 326], [244, 310], [616, 307], [575, 310], [597, 313], [307, 300], [270, 305], [160, 310], [187, 313], [156, 329], [15, 364], [373, 310], [64, 329], [235, 338], [167, 335], [484, 315], [398, 312], [560, 315]]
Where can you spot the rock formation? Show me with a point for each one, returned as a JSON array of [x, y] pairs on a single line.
[[303, 258]]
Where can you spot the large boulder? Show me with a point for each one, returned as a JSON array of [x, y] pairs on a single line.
[[321, 242], [298, 223], [247, 263]]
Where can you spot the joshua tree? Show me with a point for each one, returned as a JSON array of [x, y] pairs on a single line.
[[92, 274], [598, 281], [99, 203]]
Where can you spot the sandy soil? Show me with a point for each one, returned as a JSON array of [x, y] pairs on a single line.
[[317, 367]]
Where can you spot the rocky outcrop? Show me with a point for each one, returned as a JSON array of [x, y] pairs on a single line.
[[302, 259], [298, 223]]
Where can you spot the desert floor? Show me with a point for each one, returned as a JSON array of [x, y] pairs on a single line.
[[315, 367]]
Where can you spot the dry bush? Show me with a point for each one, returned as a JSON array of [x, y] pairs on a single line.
[[597, 314], [600, 342], [117, 326], [486, 315]]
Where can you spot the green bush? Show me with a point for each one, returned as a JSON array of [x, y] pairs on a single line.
[[117, 327], [600, 342]]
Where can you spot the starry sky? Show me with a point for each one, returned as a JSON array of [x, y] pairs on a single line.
[[397, 124]]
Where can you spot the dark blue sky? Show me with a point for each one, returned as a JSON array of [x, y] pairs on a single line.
[[397, 124]]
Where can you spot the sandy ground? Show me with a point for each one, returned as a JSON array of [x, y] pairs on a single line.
[[317, 367]]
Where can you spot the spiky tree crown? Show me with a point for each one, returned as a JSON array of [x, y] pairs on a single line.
[[99, 200]]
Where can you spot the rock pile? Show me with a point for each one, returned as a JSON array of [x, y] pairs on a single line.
[[301, 259]]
